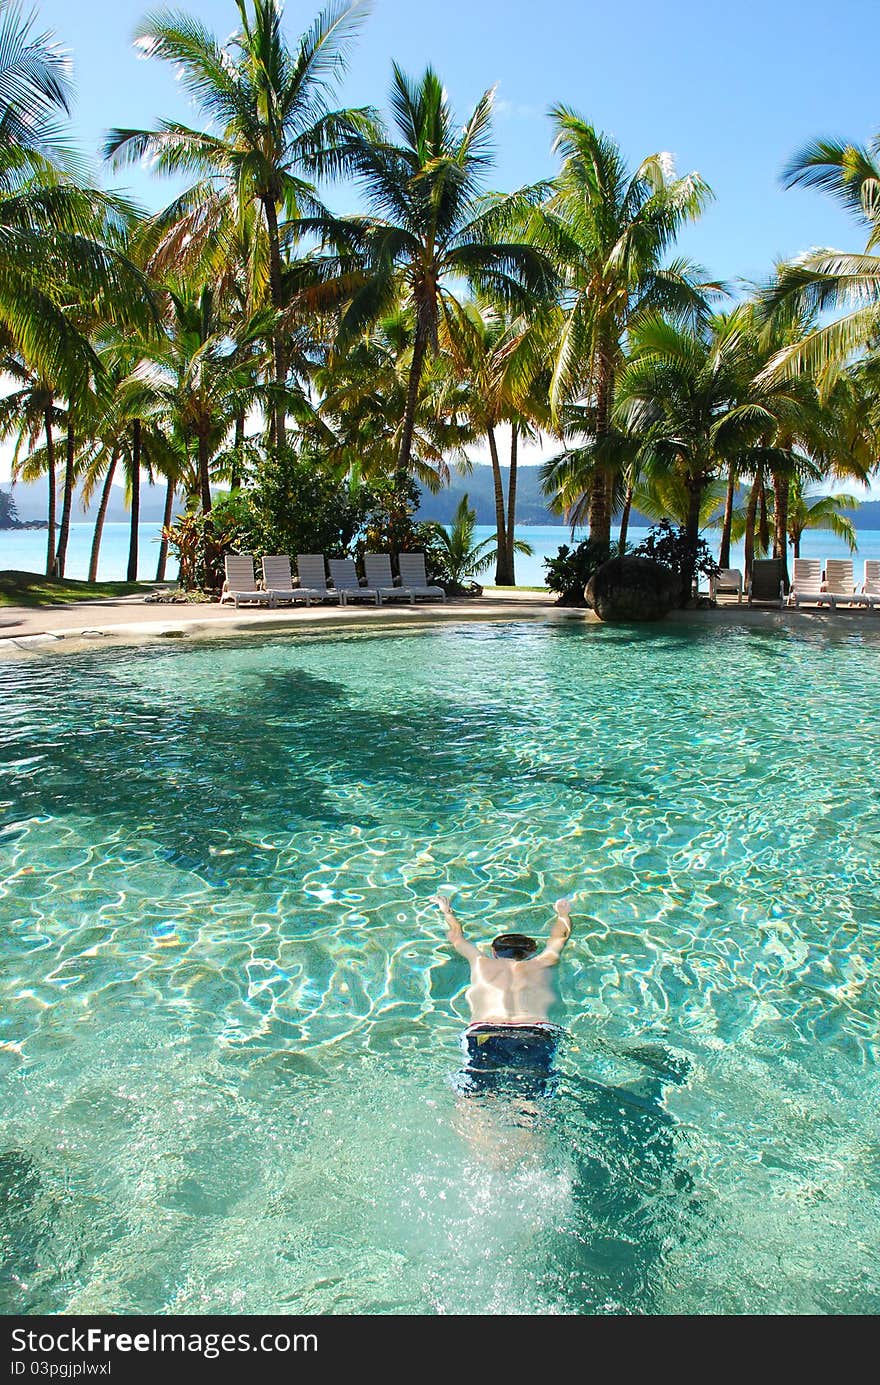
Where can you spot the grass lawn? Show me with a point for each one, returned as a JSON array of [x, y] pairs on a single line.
[[36, 590]]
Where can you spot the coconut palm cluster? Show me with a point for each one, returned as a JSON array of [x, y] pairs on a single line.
[[247, 330]]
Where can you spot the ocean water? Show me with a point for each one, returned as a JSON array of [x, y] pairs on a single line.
[[230, 1034], [26, 550]]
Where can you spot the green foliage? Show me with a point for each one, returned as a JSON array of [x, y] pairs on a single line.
[[291, 505], [297, 506], [199, 542], [669, 545], [821, 512], [390, 525], [461, 560], [571, 569]]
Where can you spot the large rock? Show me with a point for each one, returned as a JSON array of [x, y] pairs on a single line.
[[631, 589]]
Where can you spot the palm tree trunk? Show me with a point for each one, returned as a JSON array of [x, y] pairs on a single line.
[[600, 507], [780, 521], [511, 503], [502, 575], [238, 443], [727, 524], [796, 543], [692, 535], [99, 519], [131, 575], [276, 293], [67, 503], [166, 523], [50, 469], [624, 519], [751, 515], [412, 394], [204, 473], [763, 522]]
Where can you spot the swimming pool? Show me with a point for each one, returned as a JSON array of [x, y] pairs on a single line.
[[231, 1024]]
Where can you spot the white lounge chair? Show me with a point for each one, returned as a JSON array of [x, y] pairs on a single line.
[[312, 575], [278, 579], [240, 584], [727, 579], [414, 577], [806, 584], [343, 575], [871, 583], [839, 581], [377, 569]]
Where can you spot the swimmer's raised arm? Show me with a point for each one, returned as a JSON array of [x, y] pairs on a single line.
[[560, 932], [454, 931]]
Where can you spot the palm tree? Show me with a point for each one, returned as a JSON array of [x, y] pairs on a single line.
[[681, 399], [98, 467], [462, 558], [820, 512], [361, 396], [824, 280], [496, 361], [35, 85], [610, 229], [60, 246], [267, 117], [195, 382], [428, 232], [31, 414]]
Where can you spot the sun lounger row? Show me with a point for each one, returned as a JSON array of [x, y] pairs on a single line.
[[836, 585], [832, 584], [278, 583]]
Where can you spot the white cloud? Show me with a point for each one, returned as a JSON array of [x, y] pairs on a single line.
[[517, 110]]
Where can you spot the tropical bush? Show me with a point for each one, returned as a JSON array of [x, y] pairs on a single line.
[[669, 545], [390, 525], [570, 571], [298, 506], [199, 542], [462, 560]]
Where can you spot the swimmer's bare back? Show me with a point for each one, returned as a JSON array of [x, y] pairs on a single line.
[[503, 991]]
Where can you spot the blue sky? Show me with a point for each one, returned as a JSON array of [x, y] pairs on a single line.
[[729, 91]]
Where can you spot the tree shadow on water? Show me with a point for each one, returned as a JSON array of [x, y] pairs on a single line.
[[282, 754]]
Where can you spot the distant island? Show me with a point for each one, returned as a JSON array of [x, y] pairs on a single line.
[[24, 506], [531, 504], [9, 515]]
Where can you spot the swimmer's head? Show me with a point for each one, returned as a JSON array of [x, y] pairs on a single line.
[[514, 946]]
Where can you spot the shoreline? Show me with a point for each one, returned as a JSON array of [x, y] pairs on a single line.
[[129, 620]]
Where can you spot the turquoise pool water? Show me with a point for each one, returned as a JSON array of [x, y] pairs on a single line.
[[230, 1023]]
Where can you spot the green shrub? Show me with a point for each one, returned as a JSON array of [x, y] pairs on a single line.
[[199, 542], [571, 569], [390, 525], [297, 506], [667, 543]]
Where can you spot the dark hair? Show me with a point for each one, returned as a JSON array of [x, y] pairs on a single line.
[[516, 946]]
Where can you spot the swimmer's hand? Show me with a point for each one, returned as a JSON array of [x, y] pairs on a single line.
[[442, 903], [563, 908]]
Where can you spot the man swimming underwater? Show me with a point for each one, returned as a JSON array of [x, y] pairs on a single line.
[[511, 994]]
